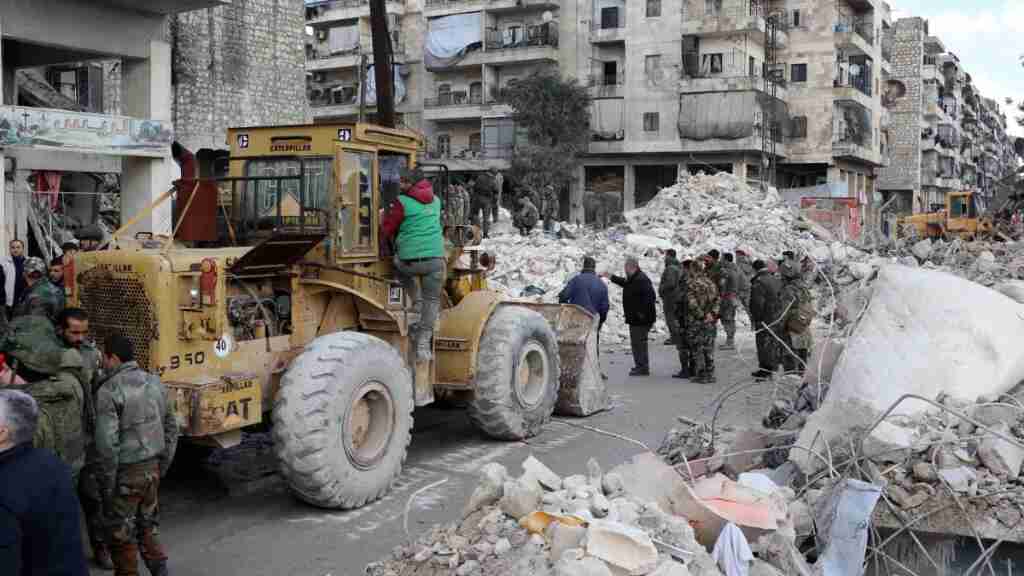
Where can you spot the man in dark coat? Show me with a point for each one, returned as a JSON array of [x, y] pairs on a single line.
[[587, 290], [39, 521], [638, 306], [765, 295]]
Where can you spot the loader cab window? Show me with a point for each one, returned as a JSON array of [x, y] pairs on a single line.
[[315, 184], [958, 207], [357, 221], [391, 165]]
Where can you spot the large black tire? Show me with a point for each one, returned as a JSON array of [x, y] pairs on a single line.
[[517, 375], [343, 420]]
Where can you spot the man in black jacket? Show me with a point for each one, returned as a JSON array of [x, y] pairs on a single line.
[[39, 531], [765, 295], [638, 305]]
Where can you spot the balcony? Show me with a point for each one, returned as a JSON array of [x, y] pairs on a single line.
[[855, 89], [855, 35], [693, 84], [539, 44], [603, 86], [520, 5], [444, 7], [611, 29], [459, 106], [339, 10], [472, 159], [931, 73], [931, 177], [711, 20], [350, 59], [933, 45]]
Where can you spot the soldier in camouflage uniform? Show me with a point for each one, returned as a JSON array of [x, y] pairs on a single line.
[[526, 218], [549, 210], [682, 341], [712, 267], [728, 294], [794, 294], [136, 436], [73, 325], [482, 203], [41, 297], [701, 323]]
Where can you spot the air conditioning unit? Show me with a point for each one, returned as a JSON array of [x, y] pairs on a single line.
[[321, 34]]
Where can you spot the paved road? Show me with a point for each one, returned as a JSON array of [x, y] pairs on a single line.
[[267, 532]]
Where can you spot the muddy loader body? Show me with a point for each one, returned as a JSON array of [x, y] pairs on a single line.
[[285, 308]]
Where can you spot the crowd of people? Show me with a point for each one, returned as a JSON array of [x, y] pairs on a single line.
[[82, 431], [477, 201], [699, 294]]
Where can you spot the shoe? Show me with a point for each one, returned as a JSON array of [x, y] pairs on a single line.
[[639, 372], [705, 379], [682, 375], [762, 373], [101, 556]]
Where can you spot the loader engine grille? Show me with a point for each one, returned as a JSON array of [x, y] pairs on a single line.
[[119, 305]]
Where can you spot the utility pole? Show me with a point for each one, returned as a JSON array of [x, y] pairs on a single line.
[[382, 65], [362, 88]]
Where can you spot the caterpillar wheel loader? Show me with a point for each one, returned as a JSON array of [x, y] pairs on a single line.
[[274, 300]]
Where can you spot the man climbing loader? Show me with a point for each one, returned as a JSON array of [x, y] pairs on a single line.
[[292, 311]]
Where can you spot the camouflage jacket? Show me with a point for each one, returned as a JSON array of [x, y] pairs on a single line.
[[135, 422], [92, 374], [746, 274], [668, 286], [795, 293], [42, 299], [61, 412], [714, 273], [527, 216], [701, 298]]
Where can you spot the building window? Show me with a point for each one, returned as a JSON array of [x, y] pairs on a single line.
[[796, 18], [609, 17], [476, 93], [653, 8], [611, 73], [798, 73], [712, 7], [444, 145], [513, 35], [711, 63], [474, 142], [650, 121], [753, 66], [799, 127], [444, 94], [651, 64]]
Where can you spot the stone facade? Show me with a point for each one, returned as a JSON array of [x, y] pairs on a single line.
[[237, 65], [903, 174]]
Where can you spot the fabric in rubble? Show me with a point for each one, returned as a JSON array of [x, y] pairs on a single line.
[[732, 552], [843, 521]]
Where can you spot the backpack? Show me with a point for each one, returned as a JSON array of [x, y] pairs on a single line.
[[34, 344], [800, 319]]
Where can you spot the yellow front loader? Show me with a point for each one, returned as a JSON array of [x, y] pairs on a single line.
[[276, 298]]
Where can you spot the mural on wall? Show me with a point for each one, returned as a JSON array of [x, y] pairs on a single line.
[[96, 133]]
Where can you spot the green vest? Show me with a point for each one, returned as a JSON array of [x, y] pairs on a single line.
[[420, 234]]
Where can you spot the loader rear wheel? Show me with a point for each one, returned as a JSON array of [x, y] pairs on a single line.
[[517, 375], [343, 420]]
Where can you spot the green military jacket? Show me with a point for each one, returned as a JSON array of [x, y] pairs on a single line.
[[668, 286], [135, 422], [701, 298], [42, 299], [61, 401], [795, 293]]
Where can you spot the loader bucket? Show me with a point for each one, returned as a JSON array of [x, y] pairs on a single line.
[[581, 392]]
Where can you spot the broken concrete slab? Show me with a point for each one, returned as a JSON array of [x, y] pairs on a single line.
[[959, 479], [542, 474], [888, 443], [575, 563], [823, 361], [671, 568], [1013, 289], [999, 456], [519, 499], [490, 489], [993, 413], [922, 250], [611, 484], [563, 538], [914, 339], [622, 546]]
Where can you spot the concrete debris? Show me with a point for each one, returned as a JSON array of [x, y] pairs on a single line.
[[959, 479], [1001, 457], [544, 476], [923, 249], [622, 546], [575, 563], [519, 499], [564, 537], [688, 440], [888, 443], [671, 568], [490, 489]]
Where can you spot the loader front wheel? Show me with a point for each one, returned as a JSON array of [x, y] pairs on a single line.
[[343, 420], [517, 375]]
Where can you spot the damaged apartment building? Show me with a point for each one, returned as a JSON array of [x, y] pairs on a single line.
[[946, 136], [799, 94], [94, 92]]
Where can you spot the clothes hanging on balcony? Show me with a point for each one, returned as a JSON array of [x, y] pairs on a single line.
[[48, 188], [398, 85], [450, 37], [343, 39]]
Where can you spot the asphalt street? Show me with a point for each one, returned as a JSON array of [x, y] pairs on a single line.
[[260, 529]]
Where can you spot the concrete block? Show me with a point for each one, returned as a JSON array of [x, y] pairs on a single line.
[[569, 565], [622, 546], [888, 443], [922, 249], [519, 499], [999, 456], [547, 479], [563, 537], [671, 568], [959, 479], [489, 490], [991, 415]]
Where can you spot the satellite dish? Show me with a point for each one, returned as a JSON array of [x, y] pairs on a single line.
[[547, 16]]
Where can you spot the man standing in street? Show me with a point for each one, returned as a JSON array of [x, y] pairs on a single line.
[[668, 290], [14, 274], [56, 272], [765, 291], [550, 207], [39, 521], [414, 223], [587, 290], [73, 324], [638, 306], [728, 295], [683, 344], [799, 306], [133, 454], [41, 298], [701, 324], [712, 266], [499, 184], [482, 203]]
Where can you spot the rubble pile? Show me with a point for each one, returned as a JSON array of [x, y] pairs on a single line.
[[625, 521]]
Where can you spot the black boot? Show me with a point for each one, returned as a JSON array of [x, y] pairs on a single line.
[[683, 374], [157, 567]]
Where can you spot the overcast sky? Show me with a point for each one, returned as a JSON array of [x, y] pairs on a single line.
[[987, 36]]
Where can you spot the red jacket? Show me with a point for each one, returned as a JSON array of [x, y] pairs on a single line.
[[421, 191]]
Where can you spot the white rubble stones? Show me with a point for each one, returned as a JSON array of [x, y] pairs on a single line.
[[888, 443], [923, 249], [502, 547], [564, 537], [611, 484], [490, 489], [544, 476], [575, 563], [959, 479], [671, 568], [1001, 457], [594, 473], [622, 546], [519, 499]]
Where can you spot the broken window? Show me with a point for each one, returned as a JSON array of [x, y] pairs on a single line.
[[650, 121], [798, 73], [711, 63], [653, 8]]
